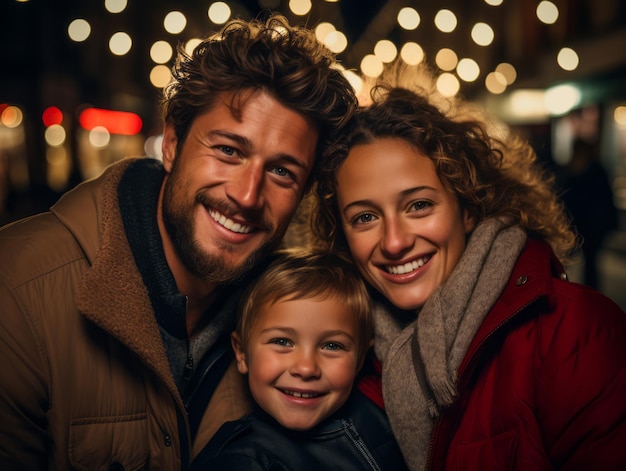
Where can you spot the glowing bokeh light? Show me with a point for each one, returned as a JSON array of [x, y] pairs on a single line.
[[412, 53], [120, 43], [547, 12], [12, 117], [161, 52], [300, 7], [174, 22], [468, 69], [55, 135], [446, 59], [191, 45], [52, 115], [567, 59], [508, 71], [619, 115], [219, 13], [495, 83], [371, 66], [115, 6], [494, 3], [448, 85], [445, 21], [160, 76], [408, 18], [561, 99], [99, 137], [322, 30], [482, 34], [336, 41], [116, 122], [385, 50], [79, 30]]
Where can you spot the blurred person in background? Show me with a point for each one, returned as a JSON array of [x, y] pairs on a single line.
[[589, 199], [491, 358], [116, 306]]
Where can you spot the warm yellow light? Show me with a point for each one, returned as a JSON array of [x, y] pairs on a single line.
[[448, 85], [336, 41], [161, 52], [54, 135], [160, 76], [79, 30], [482, 34], [412, 53], [620, 115], [322, 30], [385, 50], [547, 12], [11, 117], [115, 6], [468, 70], [371, 66], [408, 18], [174, 22], [99, 137], [446, 59], [300, 7], [191, 45], [495, 83], [567, 59], [445, 21], [120, 43], [508, 71], [561, 99], [219, 13]]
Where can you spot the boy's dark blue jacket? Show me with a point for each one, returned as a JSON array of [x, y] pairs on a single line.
[[357, 437]]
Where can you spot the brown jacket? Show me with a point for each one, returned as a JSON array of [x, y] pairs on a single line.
[[85, 381]]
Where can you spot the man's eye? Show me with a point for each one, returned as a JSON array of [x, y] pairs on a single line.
[[282, 172], [230, 151]]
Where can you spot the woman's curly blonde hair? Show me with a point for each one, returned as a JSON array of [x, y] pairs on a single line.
[[493, 172]]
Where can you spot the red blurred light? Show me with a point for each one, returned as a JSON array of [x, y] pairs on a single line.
[[116, 122], [52, 115]]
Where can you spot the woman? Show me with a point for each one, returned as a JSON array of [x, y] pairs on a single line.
[[491, 359]]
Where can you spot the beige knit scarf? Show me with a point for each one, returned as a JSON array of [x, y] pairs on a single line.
[[420, 360]]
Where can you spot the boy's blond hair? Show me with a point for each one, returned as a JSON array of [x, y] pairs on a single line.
[[297, 274]]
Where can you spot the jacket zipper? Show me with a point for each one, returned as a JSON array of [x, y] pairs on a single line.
[[360, 445], [437, 426]]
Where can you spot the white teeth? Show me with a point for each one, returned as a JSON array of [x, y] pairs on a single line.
[[407, 267], [229, 223], [303, 395]]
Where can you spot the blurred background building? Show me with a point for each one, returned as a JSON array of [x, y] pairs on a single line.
[[80, 81]]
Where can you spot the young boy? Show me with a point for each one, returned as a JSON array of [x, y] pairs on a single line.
[[303, 334]]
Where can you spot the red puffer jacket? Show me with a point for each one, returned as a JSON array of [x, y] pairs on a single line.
[[543, 384]]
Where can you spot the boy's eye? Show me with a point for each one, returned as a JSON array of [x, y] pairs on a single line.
[[281, 342], [333, 346]]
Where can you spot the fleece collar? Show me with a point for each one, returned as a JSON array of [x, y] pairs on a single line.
[[112, 293]]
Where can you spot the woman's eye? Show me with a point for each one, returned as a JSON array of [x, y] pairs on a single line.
[[421, 205], [364, 218]]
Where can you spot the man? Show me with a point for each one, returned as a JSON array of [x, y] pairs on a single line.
[[116, 306]]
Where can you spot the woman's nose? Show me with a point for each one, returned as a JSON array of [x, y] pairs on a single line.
[[396, 238]]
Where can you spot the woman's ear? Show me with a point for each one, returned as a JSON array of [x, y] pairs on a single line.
[[240, 355], [469, 222]]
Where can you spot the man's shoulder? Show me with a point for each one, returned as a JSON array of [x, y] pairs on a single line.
[[35, 246]]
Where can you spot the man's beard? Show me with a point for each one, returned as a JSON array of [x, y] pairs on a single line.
[[213, 268]]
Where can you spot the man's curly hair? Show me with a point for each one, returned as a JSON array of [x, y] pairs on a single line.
[[285, 61]]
